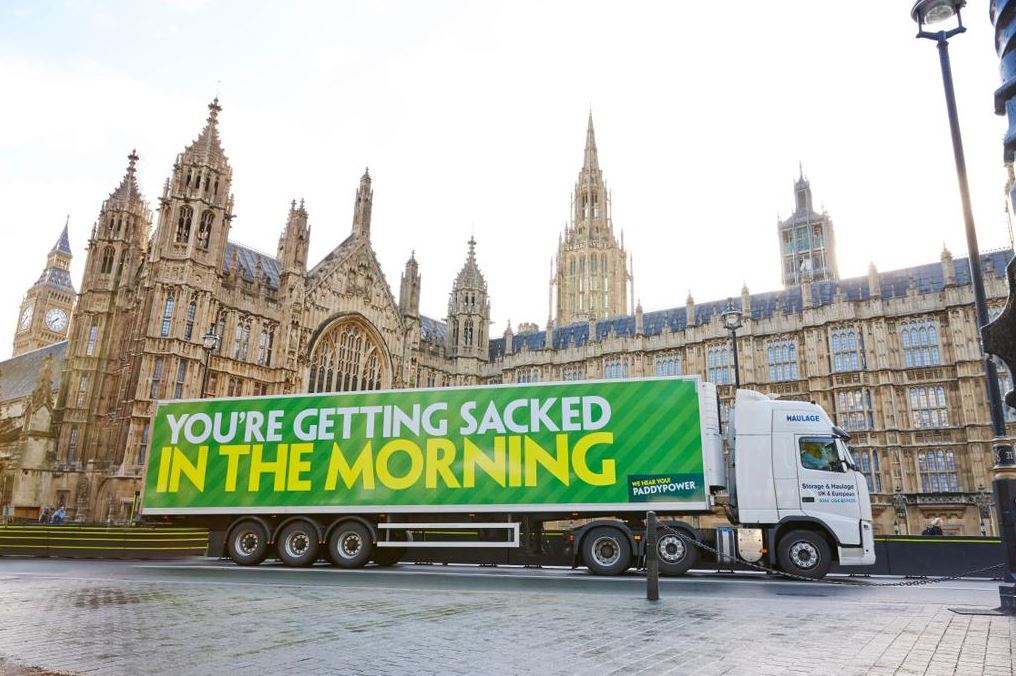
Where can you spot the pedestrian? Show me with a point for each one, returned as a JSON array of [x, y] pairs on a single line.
[[934, 528], [45, 516], [60, 514]]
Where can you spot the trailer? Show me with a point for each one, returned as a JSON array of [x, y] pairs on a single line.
[[360, 477]]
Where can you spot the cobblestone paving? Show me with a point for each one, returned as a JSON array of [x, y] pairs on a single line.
[[135, 626]]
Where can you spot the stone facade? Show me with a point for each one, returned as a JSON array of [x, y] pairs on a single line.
[[892, 356]]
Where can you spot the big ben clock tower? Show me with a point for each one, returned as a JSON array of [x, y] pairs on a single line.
[[46, 311]]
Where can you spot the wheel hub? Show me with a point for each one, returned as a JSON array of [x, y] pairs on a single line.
[[671, 548], [350, 545], [297, 544], [606, 551], [247, 542], [804, 555]]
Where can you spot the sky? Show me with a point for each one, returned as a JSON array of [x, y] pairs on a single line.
[[472, 117]]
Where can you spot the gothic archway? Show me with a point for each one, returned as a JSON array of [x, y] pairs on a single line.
[[348, 355]]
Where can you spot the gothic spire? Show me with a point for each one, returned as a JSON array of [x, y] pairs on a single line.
[[207, 147], [128, 188], [362, 207], [63, 243], [591, 162], [470, 276]]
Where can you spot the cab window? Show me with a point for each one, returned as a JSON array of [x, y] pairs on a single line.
[[820, 453]]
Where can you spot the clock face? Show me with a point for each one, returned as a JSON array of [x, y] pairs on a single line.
[[56, 319], [26, 317]]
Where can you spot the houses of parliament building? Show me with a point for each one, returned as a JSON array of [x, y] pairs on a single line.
[[893, 356]]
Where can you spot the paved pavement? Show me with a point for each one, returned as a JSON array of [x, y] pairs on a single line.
[[200, 616]]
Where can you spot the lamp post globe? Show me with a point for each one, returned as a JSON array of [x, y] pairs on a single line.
[[209, 342], [944, 15], [731, 317]]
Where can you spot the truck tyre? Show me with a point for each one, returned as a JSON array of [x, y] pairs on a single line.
[[350, 545], [248, 543], [297, 544], [804, 553], [388, 556], [676, 554], [606, 551]]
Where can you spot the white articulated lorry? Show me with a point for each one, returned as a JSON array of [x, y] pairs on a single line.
[[365, 476]]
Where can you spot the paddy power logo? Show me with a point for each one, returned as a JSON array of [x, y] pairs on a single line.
[[526, 444]]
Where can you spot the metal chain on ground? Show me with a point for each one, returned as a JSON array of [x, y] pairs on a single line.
[[849, 582]]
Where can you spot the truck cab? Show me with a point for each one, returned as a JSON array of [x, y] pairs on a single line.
[[792, 476]]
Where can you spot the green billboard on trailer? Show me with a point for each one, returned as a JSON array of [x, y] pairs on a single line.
[[542, 447]]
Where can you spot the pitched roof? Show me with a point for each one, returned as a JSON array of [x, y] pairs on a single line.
[[248, 259], [432, 330], [19, 375]]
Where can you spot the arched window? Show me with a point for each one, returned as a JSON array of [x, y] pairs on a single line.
[[919, 339], [718, 365], [183, 224], [188, 327], [205, 229], [938, 471], [868, 466], [669, 365], [616, 367], [782, 360], [108, 254], [846, 356], [167, 316], [347, 357], [467, 333], [929, 406], [72, 445], [265, 347], [93, 335], [241, 339], [220, 331]]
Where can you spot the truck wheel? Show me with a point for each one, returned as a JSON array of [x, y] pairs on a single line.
[[297, 544], [350, 545], [388, 556], [675, 553], [248, 543], [804, 553], [606, 551]]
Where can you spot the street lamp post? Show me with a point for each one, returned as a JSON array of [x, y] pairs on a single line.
[[945, 14], [732, 322], [209, 342]]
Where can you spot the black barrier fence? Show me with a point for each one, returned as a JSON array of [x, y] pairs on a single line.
[[75, 541], [932, 556]]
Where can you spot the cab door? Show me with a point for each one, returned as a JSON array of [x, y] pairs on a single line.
[[829, 490]]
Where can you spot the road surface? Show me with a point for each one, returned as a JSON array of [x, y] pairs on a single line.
[[197, 616]]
